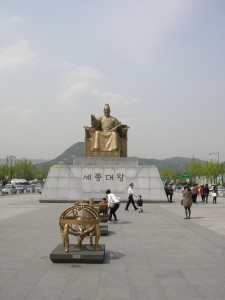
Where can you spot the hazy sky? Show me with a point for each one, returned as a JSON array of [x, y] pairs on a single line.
[[160, 64]]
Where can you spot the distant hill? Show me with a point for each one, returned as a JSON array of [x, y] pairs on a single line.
[[34, 161], [175, 163], [67, 156]]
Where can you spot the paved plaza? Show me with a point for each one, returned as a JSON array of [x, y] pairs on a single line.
[[156, 254]]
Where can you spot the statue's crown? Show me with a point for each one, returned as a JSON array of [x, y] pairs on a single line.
[[106, 106]]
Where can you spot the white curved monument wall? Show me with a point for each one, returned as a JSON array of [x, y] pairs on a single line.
[[91, 177]]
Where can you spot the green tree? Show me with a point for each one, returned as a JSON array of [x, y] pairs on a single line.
[[169, 175], [25, 169], [22, 169], [208, 169], [213, 170], [4, 172], [10, 165], [42, 172], [195, 168]]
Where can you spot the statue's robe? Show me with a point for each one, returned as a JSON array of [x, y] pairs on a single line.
[[104, 139]]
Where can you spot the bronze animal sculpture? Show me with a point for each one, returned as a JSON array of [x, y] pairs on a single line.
[[102, 206]]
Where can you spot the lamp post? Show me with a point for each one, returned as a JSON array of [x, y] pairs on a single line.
[[218, 155]]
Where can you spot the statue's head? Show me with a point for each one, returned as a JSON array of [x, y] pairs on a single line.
[[106, 110]]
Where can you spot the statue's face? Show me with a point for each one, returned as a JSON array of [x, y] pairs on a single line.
[[107, 112]]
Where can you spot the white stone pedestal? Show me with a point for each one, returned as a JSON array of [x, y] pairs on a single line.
[[90, 177]]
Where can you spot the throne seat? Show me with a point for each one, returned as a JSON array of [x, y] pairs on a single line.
[[89, 134]]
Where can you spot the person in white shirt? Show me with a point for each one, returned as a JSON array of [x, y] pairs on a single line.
[[131, 197], [113, 204]]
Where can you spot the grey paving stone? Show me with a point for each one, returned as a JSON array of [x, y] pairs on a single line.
[[155, 255]]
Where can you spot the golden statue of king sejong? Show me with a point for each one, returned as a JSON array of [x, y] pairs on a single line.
[[107, 136]]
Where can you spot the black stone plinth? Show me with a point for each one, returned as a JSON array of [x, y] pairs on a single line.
[[87, 254], [104, 230], [104, 219]]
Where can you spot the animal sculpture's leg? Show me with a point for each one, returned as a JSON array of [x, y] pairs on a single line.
[[91, 237], [66, 237], [80, 239], [97, 236], [62, 234]]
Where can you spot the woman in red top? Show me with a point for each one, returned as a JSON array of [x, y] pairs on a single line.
[[202, 193]]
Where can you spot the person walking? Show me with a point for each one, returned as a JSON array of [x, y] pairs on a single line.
[[187, 201], [113, 204], [201, 192], [140, 204], [206, 192], [214, 193], [195, 193], [131, 197], [170, 193], [166, 188]]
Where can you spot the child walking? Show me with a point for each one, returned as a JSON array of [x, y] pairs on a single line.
[[140, 204]]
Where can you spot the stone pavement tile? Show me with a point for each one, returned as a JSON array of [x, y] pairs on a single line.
[[14, 292], [11, 264], [113, 279], [171, 265], [53, 278], [82, 278], [6, 275], [42, 298], [84, 292], [182, 293], [111, 242], [50, 292], [203, 277], [116, 258], [171, 278], [115, 293], [118, 267], [155, 255], [217, 265], [218, 273], [147, 293], [151, 250], [211, 293], [25, 277], [142, 279], [136, 260]]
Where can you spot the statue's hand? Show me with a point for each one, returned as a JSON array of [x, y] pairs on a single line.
[[113, 129], [116, 127]]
